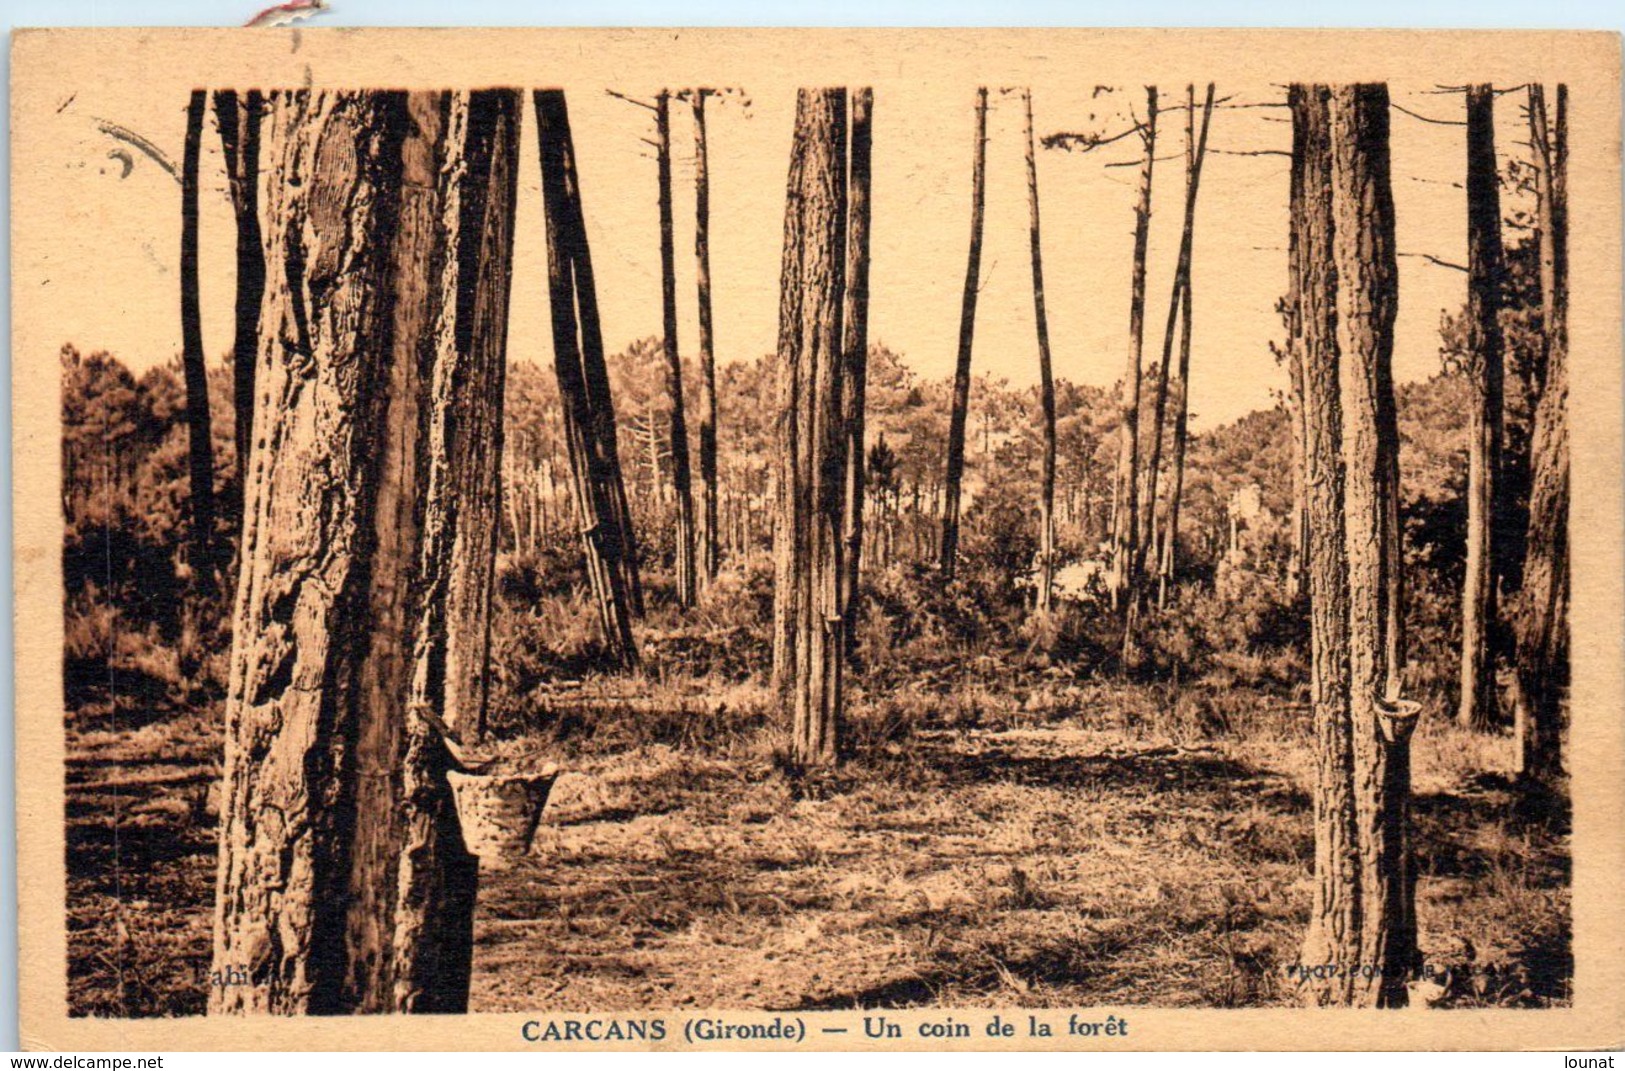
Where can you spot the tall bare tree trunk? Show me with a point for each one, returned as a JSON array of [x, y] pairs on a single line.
[[368, 552], [200, 444], [649, 432], [1393, 547], [593, 469], [238, 116], [1485, 270], [619, 539], [855, 344], [1145, 538], [1169, 548], [790, 510], [1297, 571], [1297, 562], [1292, 309], [1541, 622], [681, 484], [1195, 152], [1126, 512], [708, 368], [1362, 921], [949, 550], [1334, 920], [811, 357], [1046, 381]]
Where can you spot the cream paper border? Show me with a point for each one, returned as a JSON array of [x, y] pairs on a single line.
[[48, 64]]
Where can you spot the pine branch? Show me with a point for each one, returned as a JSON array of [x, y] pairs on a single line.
[[630, 100], [1426, 118], [1431, 259]]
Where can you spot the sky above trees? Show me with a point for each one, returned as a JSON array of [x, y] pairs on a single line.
[[922, 156]]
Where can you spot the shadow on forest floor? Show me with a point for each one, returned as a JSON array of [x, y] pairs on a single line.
[[1045, 867], [1042, 867]]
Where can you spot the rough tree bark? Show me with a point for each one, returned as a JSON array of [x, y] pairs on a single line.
[[1297, 572], [238, 116], [855, 345], [789, 511], [949, 550], [708, 370], [1478, 708], [1541, 621], [1126, 512], [1168, 550], [368, 552], [1178, 310], [1046, 381], [1362, 920], [680, 477], [619, 539], [811, 358], [200, 444], [1292, 312], [594, 470]]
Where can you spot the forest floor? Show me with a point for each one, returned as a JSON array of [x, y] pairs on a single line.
[[1057, 849]]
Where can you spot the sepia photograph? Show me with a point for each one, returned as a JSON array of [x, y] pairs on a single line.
[[816, 538]]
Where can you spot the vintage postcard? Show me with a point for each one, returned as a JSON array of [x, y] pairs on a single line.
[[818, 539]]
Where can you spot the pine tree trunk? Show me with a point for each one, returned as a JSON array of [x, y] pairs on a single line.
[[949, 550], [511, 502], [1393, 537], [811, 356], [238, 117], [1367, 312], [1292, 308], [619, 538], [1485, 269], [593, 468], [1126, 514], [1178, 306], [467, 439], [1298, 520], [708, 370], [687, 581], [361, 617], [1362, 921], [651, 455], [790, 510], [1168, 548], [1334, 919], [1541, 623], [200, 444], [856, 347], [1046, 382]]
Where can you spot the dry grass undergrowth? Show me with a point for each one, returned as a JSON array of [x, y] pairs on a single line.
[[1071, 844]]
